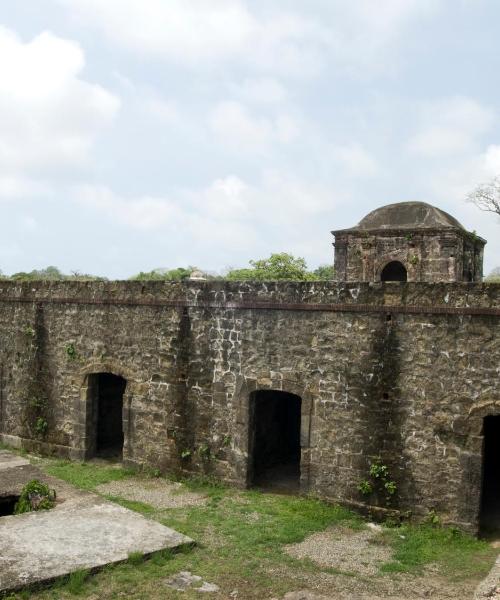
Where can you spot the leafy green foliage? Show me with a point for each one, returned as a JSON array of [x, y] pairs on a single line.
[[71, 352], [35, 495], [324, 273], [41, 426], [29, 331], [381, 482], [281, 266], [277, 266], [365, 487], [205, 452]]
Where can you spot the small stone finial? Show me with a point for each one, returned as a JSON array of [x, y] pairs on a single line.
[[197, 275]]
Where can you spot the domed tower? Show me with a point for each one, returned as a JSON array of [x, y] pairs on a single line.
[[408, 241]]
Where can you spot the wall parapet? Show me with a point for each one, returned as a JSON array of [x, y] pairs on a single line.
[[406, 298]]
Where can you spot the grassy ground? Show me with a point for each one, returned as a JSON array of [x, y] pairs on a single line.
[[240, 538]]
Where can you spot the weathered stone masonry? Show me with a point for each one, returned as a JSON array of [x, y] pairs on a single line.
[[404, 371]]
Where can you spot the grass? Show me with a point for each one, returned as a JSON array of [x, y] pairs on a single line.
[[76, 582], [135, 558], [240, 538], [458, 553], [86, 476]]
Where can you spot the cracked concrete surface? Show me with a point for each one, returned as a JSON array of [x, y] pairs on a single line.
[[83, 531]]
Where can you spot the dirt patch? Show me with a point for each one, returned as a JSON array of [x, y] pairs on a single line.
[[357, 555], [158, 493], [360, 552], [404, 586]]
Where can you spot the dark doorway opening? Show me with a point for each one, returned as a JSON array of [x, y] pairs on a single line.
[[394, 271], [275, 440], [489, 520], [7, 505], [106, 420]]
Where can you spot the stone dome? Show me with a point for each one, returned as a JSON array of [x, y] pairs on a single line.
[[408, 215]]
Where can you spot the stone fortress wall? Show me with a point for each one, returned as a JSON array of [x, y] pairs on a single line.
[[407, 371]]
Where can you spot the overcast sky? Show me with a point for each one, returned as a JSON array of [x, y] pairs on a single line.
[[137, 134]]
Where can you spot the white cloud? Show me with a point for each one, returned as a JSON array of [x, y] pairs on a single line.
[[229, 216], [176, 29], [260, 90], [450, 127], [15, 187], [49, 116], [200, 31], [292, 40], [143, 213], [233, 125], [356, 160]]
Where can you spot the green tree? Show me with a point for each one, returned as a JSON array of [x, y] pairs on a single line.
[[277, 266], [52, 273], [324, 272]]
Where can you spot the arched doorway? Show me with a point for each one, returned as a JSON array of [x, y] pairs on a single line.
[[275, 419], [489, 516], [105, 415], [394, 271]]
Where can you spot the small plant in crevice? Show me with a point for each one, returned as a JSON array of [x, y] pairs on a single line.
[[154, 473], [36, 415], [29, 331], [226, 441], [380, 483], [432, 518], [71, 352], [186, 453], [204, 452], [414, 260], [365, 487], [35, 495], [41, 426]]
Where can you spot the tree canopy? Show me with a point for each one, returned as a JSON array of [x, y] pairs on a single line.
[[51, 273], [280, 266]]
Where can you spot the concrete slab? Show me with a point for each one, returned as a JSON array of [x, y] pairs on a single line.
[[489, 588], [9, 460], [83, 531]]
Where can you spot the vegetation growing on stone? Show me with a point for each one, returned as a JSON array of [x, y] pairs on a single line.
[[35, 495], [380, 483]]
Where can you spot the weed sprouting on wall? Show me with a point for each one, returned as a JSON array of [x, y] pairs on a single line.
[[380, 484]]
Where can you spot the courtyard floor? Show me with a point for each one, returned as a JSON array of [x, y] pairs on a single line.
[[255, 545]]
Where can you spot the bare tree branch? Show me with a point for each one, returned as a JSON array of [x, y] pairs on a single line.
[[487, 196]]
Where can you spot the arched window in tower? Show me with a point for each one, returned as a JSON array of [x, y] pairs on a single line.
[[394, 271]]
